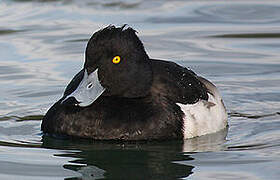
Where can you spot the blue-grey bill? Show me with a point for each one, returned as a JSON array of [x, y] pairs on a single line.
[[88, 90]]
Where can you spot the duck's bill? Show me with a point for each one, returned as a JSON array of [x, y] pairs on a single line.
[[87, 91]]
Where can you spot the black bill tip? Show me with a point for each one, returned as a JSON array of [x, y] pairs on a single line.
[[70, 101]]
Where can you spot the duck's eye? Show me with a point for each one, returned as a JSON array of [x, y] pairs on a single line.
[[116, 60]]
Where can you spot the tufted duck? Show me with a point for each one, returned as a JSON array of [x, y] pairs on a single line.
[[122, 94]]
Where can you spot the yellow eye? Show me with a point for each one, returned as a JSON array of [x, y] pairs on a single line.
[[116, 59]]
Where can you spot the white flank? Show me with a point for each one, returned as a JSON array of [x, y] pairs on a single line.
[[204, 117]]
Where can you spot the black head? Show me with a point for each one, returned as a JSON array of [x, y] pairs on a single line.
[[124, 68], [116, 65]]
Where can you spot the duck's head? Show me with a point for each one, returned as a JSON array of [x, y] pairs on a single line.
[[116, 64]]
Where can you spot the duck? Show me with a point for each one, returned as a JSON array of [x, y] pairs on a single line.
[[123, 94]]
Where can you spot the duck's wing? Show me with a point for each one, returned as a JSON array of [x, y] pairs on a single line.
[[205, 116], [177, 83], [201, 106]]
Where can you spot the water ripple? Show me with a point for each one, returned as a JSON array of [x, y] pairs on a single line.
[[235, 13], [248, 35]]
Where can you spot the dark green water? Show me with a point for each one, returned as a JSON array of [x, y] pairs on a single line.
[[235, 44]]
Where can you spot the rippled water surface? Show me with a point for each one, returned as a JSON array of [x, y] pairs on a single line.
[[235, 44]]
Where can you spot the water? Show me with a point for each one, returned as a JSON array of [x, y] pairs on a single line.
[[235, 44]]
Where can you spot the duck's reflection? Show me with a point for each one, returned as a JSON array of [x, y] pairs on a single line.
[[141, 160]]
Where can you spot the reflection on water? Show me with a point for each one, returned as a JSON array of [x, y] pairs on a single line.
[[234, 44], [142, 160]]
